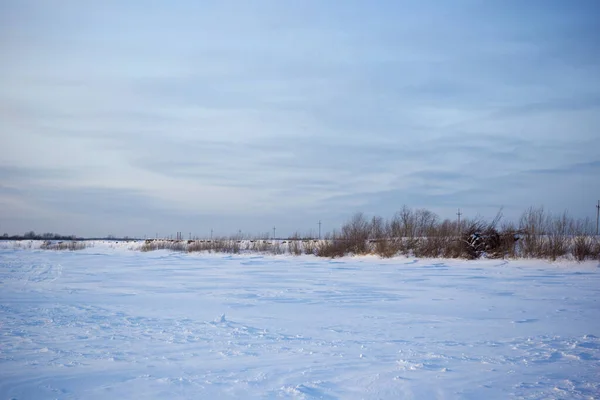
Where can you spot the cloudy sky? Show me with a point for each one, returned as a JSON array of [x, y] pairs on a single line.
[[142, 117]]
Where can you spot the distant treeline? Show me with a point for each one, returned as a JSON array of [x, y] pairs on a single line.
[[31, 235]]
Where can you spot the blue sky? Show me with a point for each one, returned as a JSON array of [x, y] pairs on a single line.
[[144, 117]]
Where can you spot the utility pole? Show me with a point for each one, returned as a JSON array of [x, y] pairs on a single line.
[[319, 229], [597, 216], [211, 231], [273, 233], [459, 214]]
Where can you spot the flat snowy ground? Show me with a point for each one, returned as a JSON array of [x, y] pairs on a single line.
[[112, 323]]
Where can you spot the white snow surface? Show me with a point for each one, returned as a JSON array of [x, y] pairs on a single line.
[[108, 322]]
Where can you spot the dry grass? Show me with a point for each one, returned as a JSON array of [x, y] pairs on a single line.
[[71, 245]]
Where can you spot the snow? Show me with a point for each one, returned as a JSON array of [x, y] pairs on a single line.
[[108, 322]]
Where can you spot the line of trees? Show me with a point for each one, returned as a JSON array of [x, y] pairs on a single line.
[[421, 233], [538, 234], [31, 235]]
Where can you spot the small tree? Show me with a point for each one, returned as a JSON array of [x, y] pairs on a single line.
[[356, 234]]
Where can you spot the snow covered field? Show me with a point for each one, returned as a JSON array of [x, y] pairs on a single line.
[[113, 323]]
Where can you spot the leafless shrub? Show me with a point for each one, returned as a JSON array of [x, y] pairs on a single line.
[[558, 231], [331, 247], [27, 244], [220, 245], [261, 246], [583, 247], [309, 246], [483, 238], [231, 246], [167, 244], [407, 245], [423, 247], [70, 245], [197, 245], [596, 248], [446, 238], [381, 240], [426, 222], [295, 245], [386, 248], [532, 225], [403, 224], [277, 247], [378, 229], [451, 248], [408, 229], [510, 236], [354, 235]]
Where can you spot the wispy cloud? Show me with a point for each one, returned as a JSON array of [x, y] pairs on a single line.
[[242, 116], [592, 167]]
